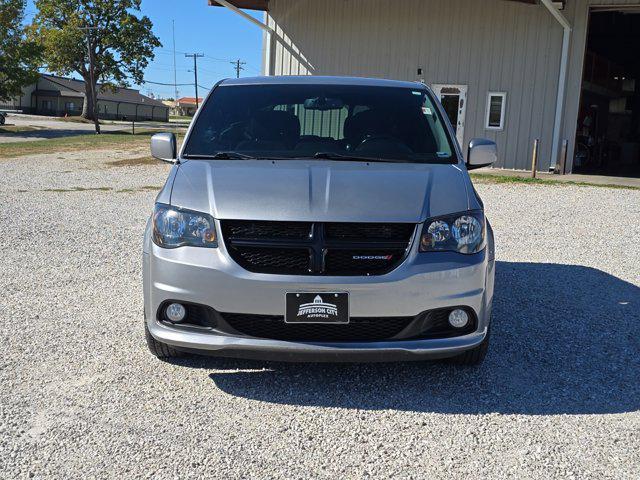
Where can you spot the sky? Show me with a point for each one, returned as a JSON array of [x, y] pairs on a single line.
[[221, 35]]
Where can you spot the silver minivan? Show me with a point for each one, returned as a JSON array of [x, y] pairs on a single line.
[[319, 219]]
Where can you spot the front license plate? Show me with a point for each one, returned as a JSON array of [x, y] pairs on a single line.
[[317, 308]]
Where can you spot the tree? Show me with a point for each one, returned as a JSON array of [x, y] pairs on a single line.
[[107, 35], [18, 56]]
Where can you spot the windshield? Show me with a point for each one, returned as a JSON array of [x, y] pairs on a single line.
[[322, 121]]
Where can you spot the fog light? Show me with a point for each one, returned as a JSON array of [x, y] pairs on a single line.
[[458, 318], [175, 312]]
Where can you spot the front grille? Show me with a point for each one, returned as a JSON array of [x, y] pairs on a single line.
[[304, 248], [274, 260], [357, 330]]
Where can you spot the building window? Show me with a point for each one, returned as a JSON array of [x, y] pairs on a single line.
[[70, 106], [47, 105], [496, 105]]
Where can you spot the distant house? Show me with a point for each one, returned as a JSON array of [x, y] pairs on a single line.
[[60, 96], [171, 104], [187, 106]]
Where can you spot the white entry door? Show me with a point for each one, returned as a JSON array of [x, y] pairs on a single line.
[[454, 101]]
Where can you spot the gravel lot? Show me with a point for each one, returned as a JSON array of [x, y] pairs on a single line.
[[558, 396]]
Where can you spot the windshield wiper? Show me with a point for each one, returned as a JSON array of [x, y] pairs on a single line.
[[220, 156], [354, 158]]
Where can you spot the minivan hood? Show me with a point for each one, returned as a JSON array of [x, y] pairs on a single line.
[[320, 190]]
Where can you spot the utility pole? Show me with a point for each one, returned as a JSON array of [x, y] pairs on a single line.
[[195, 70], [175, 71], [94, 97], [238, 67]]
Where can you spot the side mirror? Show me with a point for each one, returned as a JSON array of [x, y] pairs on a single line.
[[164, 147], [482, 153]]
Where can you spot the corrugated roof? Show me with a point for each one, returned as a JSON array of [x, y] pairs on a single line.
[[126, 95], [247, 4], [264, 4]]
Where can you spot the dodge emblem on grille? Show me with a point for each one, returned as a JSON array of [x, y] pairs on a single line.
[[372, 257]]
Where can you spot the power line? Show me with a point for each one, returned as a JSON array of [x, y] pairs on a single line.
[[210, 58], [253, 69], [168, 84], [164, 51]]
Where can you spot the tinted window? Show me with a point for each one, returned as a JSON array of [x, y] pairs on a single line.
[[495, 111], [298, 121]]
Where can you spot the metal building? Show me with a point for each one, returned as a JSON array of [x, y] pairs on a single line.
[[509, 70]]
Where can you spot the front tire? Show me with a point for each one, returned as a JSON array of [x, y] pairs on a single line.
[[158, 349], [473, 357]]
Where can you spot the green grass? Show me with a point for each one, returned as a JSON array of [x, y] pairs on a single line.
[[78, 189], [500, 179], [18, 129], [144, 188], [105, 141], [180, 117], [134, 162]]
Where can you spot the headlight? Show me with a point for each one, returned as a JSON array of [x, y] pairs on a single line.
[[174, 227], [461, 232]]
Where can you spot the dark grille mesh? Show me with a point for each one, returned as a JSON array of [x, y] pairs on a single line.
[[370, 231], [358, 329], [251, 229], [275, 260]]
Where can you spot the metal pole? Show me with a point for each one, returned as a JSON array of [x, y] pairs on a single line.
[[175, 72], [534, 158], [563, 157], [195, 74], [195, 71], [562, 80], [245, 15]]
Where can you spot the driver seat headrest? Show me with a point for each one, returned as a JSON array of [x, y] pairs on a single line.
[[365, 124]]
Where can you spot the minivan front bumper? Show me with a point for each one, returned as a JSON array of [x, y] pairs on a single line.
[[423, 282]]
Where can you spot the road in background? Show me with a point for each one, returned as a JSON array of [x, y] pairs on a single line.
[[54, 127]]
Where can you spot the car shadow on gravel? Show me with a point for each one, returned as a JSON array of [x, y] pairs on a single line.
[[565, 340]]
